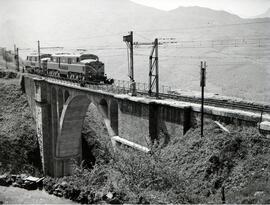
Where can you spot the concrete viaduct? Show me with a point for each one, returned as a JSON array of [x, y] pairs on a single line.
[[59, 110]]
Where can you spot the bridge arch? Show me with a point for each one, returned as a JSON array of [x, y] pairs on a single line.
[[71, 123], [68, 143]]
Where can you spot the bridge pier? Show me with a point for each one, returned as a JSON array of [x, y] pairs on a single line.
[[43, 126], [59, 136]]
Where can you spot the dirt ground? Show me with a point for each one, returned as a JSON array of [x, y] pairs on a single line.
[[13, 195]]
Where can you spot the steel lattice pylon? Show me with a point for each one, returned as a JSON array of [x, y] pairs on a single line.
[[153, 70]]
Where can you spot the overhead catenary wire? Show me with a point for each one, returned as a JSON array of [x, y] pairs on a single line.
[[239, 42], [244, 40], [84, 38], [205, 26], [197, 57], [184, 62], [217, 42]]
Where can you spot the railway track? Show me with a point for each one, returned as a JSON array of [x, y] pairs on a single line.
[[220, 103], [223, 103]]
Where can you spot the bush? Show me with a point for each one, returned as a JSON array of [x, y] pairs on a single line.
[[19, 150], [194, 169], [190, 169]]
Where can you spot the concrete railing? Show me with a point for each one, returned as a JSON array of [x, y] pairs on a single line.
[[119, 86]]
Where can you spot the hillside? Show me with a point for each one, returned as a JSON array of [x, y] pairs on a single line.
[[236, 49], [83, 19], [19, 151], [188, 170]]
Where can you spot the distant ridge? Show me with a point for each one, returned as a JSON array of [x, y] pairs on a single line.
[[202, 15], [204, 10], [264, 15], [106, 15]]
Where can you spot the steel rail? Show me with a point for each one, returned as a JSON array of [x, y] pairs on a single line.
[[218, 102]]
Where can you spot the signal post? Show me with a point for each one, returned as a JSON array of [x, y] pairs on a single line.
[[129, 41], [202, 84]]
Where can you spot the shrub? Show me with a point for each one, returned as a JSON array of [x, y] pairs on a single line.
[[19, 150]]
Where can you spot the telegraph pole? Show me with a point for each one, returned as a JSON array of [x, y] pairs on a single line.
[[39, 60], [15, 55], [131, 57], [203, 76], [154, 65], [129, 40], [5, 57], [18, 60]]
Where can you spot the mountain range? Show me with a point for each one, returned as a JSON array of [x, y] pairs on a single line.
[[236, 49], [25, 21]]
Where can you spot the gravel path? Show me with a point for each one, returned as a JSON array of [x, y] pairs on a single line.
[[13, 195]]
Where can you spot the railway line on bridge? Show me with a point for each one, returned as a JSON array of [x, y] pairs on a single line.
[[221, 103], [123, 87]]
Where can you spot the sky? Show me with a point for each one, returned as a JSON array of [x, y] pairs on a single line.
[[242, 8]]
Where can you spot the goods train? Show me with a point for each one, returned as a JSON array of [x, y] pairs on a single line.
[[81, 67]]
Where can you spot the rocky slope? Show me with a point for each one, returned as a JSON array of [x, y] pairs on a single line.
[[19, 150]]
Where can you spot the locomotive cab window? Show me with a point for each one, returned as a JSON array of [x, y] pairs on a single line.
[[69, 60], [78, 60]]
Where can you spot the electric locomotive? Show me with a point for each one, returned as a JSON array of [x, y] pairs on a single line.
[[31, 63], [80, 67]]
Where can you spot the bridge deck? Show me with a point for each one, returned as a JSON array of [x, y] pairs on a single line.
[[246, 110]]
